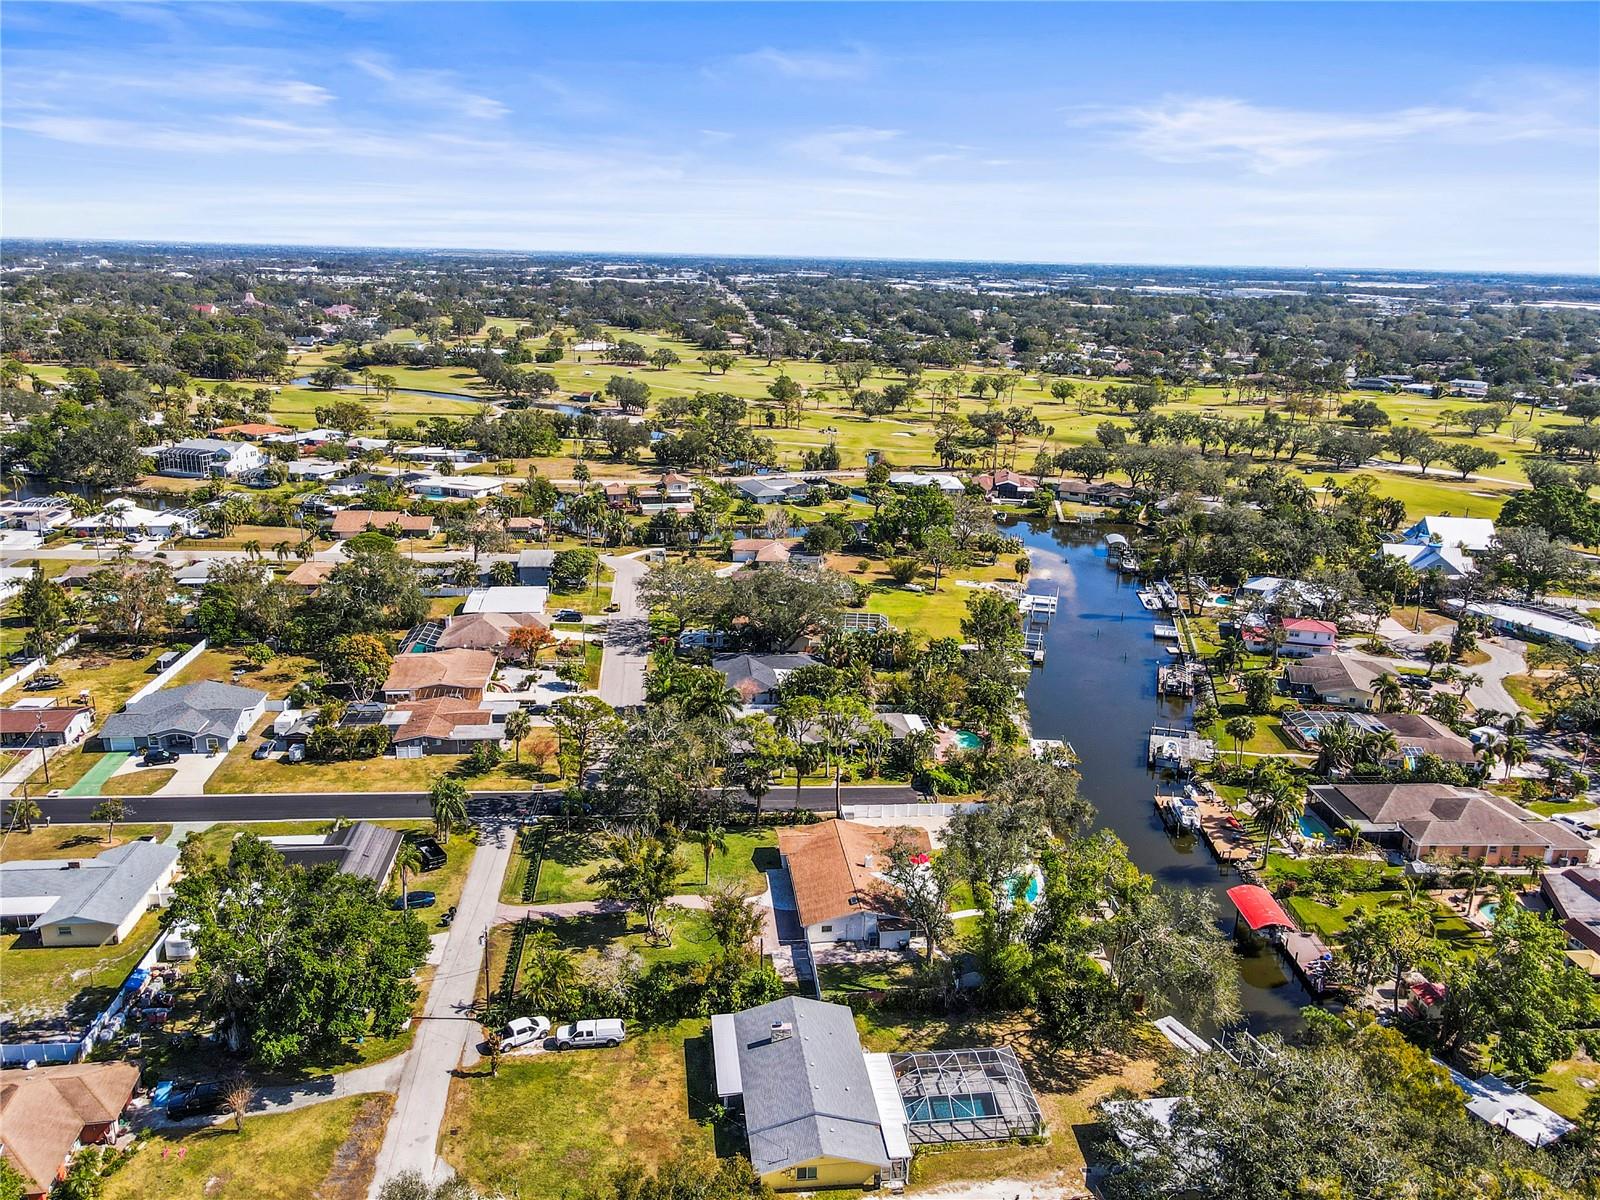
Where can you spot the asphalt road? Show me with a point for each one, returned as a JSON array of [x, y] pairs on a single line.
[[492, 806]]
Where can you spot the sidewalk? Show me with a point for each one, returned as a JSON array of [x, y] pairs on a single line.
[[447, 1036]]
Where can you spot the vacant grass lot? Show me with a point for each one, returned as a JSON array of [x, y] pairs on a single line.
[[1568, 1086], [570, 858], [325, 1150], [41, 983], [277, 679], [552, 1123], [110, 676]]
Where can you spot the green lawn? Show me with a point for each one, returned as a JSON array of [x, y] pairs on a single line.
[[840, 979], [71, 841], [572, 857], [42, 982], [325, 1150], [1454, 935], [110, 676], [137, 783], [277, 679], [551, 1124], [624, 931], [1562, 1086]]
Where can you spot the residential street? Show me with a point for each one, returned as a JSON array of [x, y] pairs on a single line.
[[447, 1036]]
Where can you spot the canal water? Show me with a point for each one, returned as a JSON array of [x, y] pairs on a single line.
[[1097, 690]]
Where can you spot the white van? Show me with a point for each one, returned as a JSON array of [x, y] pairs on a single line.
[[608, 1032]]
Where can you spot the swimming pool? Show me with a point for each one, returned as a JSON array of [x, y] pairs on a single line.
[[967, 740], [963, 1106], [1487, 911], [1313, 826], [1030, 893]]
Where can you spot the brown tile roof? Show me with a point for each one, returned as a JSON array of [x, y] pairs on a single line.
[[835, 866], [359, 520], [1436, 814], [26, 720], [468, 670], [310, 574], [44, 1111], [251, 429], [437, 718], [483, 631]]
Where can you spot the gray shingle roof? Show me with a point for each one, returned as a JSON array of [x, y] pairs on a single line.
[[194, 709], [764, 671], [104, 889], [806, 1095]]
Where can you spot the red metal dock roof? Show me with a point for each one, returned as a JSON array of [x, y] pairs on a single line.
[[1258, 908]]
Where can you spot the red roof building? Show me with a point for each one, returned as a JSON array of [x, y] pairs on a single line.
[[1258, 908]]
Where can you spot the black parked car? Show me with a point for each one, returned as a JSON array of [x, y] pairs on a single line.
[[41, 683], [154, 757], [432, 854], [196, 1101]]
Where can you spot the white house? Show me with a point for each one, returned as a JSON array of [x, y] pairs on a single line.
[[835, 871], [315, 469], [198, 717], [439, 454], [86, 901], [1303, 636], [1532, 624], [1452, 561], [948, 484], [454, 487], [1471, 534], [122, 516], [40, 515], [202, 458]]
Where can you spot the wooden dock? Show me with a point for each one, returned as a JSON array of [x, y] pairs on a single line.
[[1179, 749], [1165, 632], [1223, 832]]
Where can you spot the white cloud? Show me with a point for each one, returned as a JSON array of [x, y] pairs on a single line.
[[1269, 140], [427, 88], [852, 149], [815, 66]]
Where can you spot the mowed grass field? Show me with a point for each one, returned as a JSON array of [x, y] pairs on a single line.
[[906, 438]]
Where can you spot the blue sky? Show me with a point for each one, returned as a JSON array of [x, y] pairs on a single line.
[[1430, 136]]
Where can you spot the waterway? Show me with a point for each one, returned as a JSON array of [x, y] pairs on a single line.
[[1097, 690]]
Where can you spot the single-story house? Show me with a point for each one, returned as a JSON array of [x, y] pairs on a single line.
[[122, 516], [202, 458], [1440, 822], [39, 515], [49, 1113], [534, 566], [362, 849], [315, 470], [535, 528], [519, 599], [1499, 1105], [1006, 484], [251, 431], [813, 1116], [309, 576], [439, 454], [821, 1112], [1574, 896], [351, 521], [197, 717], [26, 726], [756, 676], [1342, 680], [462, 674], [774, 490], [86, 901], [442, 725], [836, 871], [454, 487], [763, 550], [1081, 491], [1532, 624], [948, 484], [1420, 734], [483, 631], [1290, 596], [1303, 635], [1472, 534]]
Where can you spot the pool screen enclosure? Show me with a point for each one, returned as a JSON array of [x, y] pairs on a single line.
[[977, 1095]]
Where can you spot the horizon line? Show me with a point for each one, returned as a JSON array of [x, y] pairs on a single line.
[[1470, 273]]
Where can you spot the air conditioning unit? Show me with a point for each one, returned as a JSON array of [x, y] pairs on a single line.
[[782, 1031]]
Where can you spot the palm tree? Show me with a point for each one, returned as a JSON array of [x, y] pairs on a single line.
[[1437, 654], [1389, 693], [1489, 752], [448, 799], [1278, 807], [25, 811], [1473, 874], [1467, 680], [712, 839], [1241, 729], [518, 725], [1336, 747], [1376, 747], [406, 860], [1514, 752]]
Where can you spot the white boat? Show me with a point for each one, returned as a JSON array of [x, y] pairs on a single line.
[[1150, 601]]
